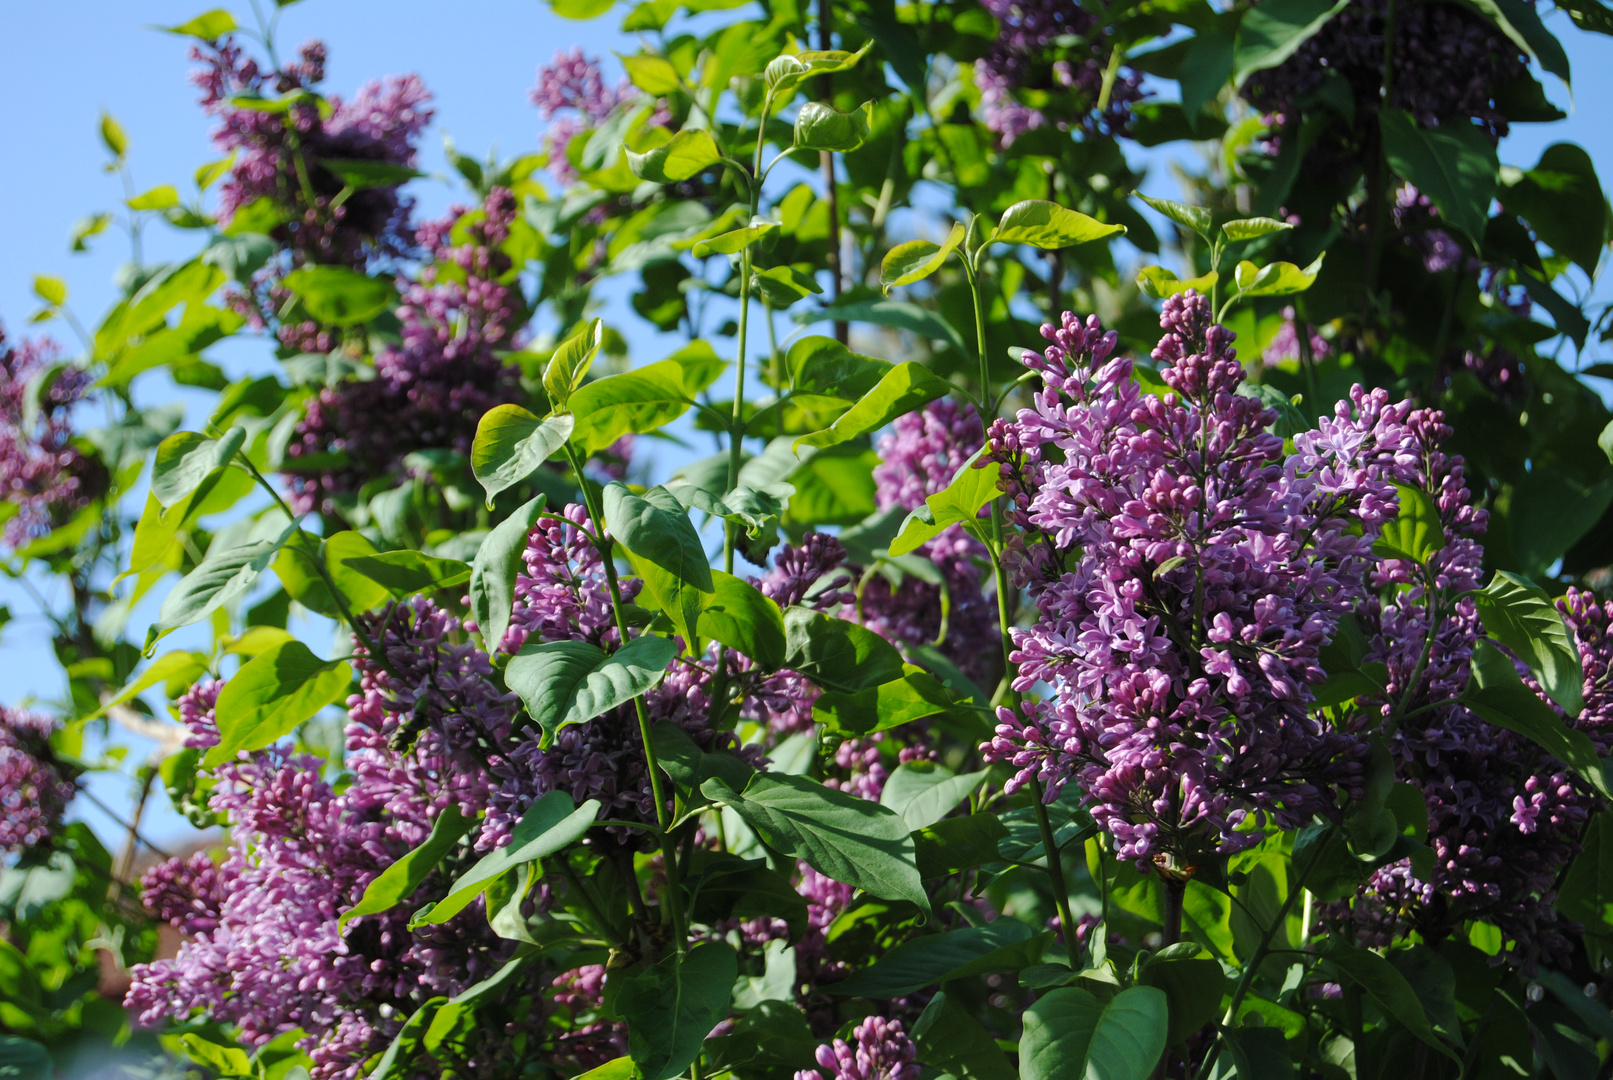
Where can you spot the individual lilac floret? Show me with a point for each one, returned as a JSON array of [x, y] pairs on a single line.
[[34, 788], [882, 1051], [1186, 573], [42, 474], [431, 389]]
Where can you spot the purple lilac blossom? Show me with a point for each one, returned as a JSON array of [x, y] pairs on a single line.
[[572, 95], [590, 1040], [813, 574], [881, 1050], [34, 787], [42, 474], [196, 709], [282, 157], [1186, 577], [187, 894], [1027, 55], [430, 390], [1284, 345]]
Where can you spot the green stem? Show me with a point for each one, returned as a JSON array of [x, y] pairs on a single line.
[[1055, 870]]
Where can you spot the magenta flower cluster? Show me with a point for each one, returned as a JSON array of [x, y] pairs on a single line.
[[1186, 573], [34, 787], [44, 477], [429, 390], [573, 98], [881, 1050]]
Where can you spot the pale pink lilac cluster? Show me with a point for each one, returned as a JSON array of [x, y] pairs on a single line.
[[1186, 572], [429, 390], [43, 475], [880, 1050], [572, 95], [283, 157], [35, 788], [1029, 54]]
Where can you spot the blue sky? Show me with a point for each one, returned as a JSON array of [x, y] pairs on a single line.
[[70, 59]]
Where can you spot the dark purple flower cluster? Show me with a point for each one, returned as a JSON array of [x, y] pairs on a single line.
[[573, 97], [880, 1050], [45, 479], [430, 390], [1446, 65], [293, 158], [1187, 573], [1029, 55], [34, 787]]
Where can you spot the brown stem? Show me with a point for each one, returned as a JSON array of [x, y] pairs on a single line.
[[826, 161], [1175, 890]]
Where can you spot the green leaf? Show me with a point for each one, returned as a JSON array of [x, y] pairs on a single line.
[[1069, 1034], [1496, 693], [186, 459], [664, 549], [1519, 614], [1253, 228], [1157, 283], [1004, 945], [511, 444], [1561, 198], [1275, 279], [621, 1068], [1259, 1053], [493, 573], [905, 387], [571, 682], [787, 72], [1049, 226], [848, 838], [86, 227], [896, 314], [820, 127], [1272, 31], [923, 792], [821, 367], [671, 1008], [338, 296], [1587, 892], [782, 286], [218, 579], [1388, 989], [158, 198], [570, 363], [1196, 218], [917, 695], [403, 878], [949, 1038], [688, 153], [1605, 440], [1416, 532], [404, 573], [52, 290], [580, 9], [733, 241], [1193, 986], [655, 75], [370, 174], [272, 694], [917, 259], [741, 617], [177, 669], [1453, 164], [549, 824], [643, 400], [225, 1060], [24, 1059], [837, 654], [117, 143], [209, 26], [958, 843], [972, 487], [407, 1039]]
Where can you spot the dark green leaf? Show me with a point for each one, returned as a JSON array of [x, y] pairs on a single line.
[[820, 127], [24, 1059], [1004, 945], [1259, 1053], [917, 259], [571, 682], [1272, 31], [1500, 696], [917, 695], [404, 573], [952, 1040], [1416, 532], [511, 444], [906, 387], [1562, 200], [742, 618], [665, 551], [688, 153], [549, 824], [923, 792], [339, 296], [1519, 614], [1388, 989], [403, 878], [782, 286], [370, 174], [1453, 164], [837, 654], [1193, 986], [850, 839], [493, 573], [671, 1008], [271, 695], [959, 843], [1069, 1033], [218, 579]]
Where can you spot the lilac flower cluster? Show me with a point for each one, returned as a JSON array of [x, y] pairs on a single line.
[[882, 1051], [1446, 65], [42, 474], [195, 709], [286, 157], [1504, 818], [34, 787], [1028, 56], [430, 389], [1186, 574], [590, 1040], [918, 458], [572, 89]]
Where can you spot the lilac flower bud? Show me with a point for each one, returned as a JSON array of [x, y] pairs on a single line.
[[882, 1051]]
